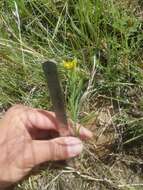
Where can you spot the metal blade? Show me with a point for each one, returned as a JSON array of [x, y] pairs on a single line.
[[51, 74]]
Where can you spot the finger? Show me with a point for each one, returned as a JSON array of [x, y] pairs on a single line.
[[46, 120], [79, 130], [75, 129], [72, 128], [56, 149], [35, 118]]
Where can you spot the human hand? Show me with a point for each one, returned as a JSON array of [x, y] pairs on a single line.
[[25, 143]]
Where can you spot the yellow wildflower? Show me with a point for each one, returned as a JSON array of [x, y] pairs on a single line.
[[70, 64]]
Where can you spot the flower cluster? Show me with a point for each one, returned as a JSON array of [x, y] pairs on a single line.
[[70, 64]]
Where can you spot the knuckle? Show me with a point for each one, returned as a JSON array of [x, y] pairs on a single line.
[[15, 107], [16, 110]]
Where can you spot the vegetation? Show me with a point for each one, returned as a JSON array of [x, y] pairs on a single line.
[[103, 90]]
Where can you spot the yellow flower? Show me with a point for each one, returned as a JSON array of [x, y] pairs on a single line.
[[70, 64]]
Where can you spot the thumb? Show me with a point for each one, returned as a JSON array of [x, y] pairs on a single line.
[[56, 149]]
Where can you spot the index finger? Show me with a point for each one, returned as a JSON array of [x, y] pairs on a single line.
[[46, 120]]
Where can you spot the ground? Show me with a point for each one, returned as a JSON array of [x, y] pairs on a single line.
[[103, 90]]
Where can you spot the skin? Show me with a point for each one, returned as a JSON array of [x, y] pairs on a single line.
[[25, 142]]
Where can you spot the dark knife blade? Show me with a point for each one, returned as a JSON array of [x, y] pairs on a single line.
[[51, 74]]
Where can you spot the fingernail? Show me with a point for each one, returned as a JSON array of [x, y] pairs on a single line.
[[86, 133], [74, 147]]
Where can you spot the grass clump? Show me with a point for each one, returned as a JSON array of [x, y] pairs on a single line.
[[105, 88]]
